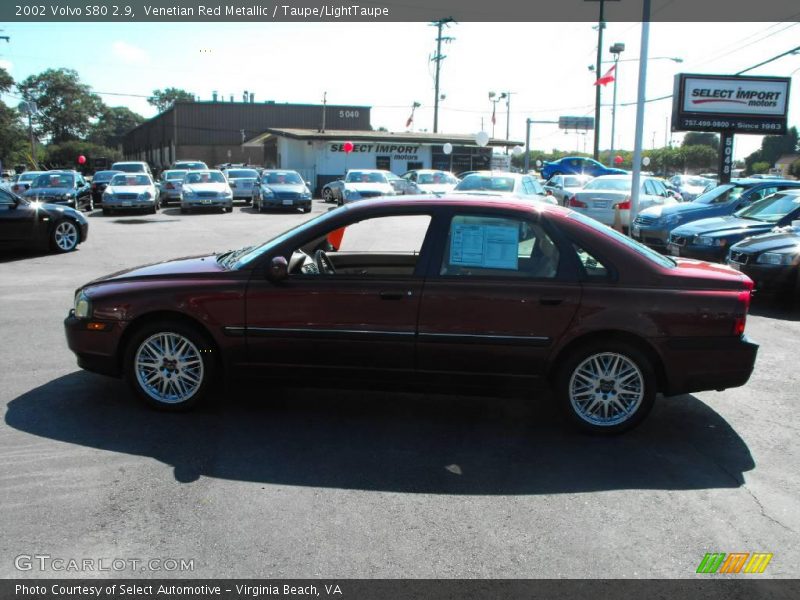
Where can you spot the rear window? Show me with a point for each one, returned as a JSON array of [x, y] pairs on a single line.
[[103, 176], [173, 175], [618, 185], [191, 165], [283, 177], [242, 173], [474, 183]]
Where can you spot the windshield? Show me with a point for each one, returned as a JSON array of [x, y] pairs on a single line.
[[438, 177], [54, 180], [771, 209], [365, 177], [283, 177], [190, 165], [173, 175], [696, 182], [126, 180], [103, 175], [721, 194], [641, 249], [573, 181], [479, 182], [129, 167], [242, 173], [617, 185], [205, 177]]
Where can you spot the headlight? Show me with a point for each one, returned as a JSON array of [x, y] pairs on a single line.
[[83, 308], [267, 193], [351, 194], [66, 197], [145, 196], [670, 220], [225, 194], [774, 258], [701, 240]]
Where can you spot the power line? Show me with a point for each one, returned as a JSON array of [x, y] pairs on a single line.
[[761, 64]]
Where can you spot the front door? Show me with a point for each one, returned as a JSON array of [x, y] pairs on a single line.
[[16, 220]]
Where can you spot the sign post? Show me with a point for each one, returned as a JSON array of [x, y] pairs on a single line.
[[725, 156]]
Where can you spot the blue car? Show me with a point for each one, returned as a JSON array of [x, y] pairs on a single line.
[[578, 165], [652, 226]]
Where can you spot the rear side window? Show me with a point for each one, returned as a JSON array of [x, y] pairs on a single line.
[[592, 267]]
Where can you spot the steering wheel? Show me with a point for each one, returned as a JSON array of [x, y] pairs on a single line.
[[324, 263]]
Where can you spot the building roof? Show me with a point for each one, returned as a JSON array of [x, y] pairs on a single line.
[[341, 135], [787, 159]]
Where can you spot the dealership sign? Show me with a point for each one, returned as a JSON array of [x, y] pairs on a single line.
[[733, 104]]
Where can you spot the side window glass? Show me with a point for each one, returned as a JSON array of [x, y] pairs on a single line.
[[6, 198], [591, 266], [494, 246]]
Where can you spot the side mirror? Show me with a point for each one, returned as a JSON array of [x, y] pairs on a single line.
[[278, 269]]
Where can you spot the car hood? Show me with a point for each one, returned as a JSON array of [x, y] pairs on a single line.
[[695, 209], [775, 241], [721, 226], [56, 210], [285, 187], [187, 266], [205, 187], [128, 189]]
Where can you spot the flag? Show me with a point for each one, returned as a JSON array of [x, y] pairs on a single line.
[[494, 109], [607, 78]]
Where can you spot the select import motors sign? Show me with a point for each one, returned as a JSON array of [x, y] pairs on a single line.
[[730, 103]]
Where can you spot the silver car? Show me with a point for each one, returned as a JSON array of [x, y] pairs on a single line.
[[608, 198], [563, 187], [499, 183], [206, 189], [170, 185], [242, 182], [134, 191]]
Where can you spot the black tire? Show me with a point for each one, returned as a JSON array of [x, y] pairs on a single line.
[[307, 209], [247, 201], [228, 209], [327, 195], [184, 211], [202, 347], [154, 209], [90, 205], [64, 236], [107, 211], [608, 390]]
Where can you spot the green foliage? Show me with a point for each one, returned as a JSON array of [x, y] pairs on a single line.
[[113, 124], [794, 168], [700, 138], [759, 167], [13, 137], [6, 81], [66, 106], [164, 99], [66, 154], [772, 148]]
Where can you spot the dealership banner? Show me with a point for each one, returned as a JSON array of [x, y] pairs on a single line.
[[121, 11], [730, 103]]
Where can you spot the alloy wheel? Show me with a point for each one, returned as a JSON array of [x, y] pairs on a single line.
[[66, 236], [169, 368], [606, 389]]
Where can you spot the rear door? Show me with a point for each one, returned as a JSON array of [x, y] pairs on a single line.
[[500, 293]]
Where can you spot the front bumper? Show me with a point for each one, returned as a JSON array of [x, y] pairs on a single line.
[[695, 364], [207, 203], [286, 202], [116, 203], [651, 235], [96, 351], [707, 253], [767, 277]]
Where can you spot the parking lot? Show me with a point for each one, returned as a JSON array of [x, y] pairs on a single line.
[[309, 482]]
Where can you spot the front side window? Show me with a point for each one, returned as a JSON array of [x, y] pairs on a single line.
[[498, 246]]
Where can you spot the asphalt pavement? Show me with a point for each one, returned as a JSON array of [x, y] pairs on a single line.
[[307, 482]]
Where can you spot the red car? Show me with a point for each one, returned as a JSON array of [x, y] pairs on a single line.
[[474, 291]]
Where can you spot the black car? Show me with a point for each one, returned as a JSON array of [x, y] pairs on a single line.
[[771, 260], [99, 183], [26, 223], [710, 239], [62, 187]]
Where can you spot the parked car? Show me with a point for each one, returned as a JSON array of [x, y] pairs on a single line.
[[578, 165], [402, 187], [563, 187], [280, 188], [709, 239], [62, 187], [133, 166], [608, 198], [41, 225], [358, 184], [170, 184], [99, 183], [23, 182], [507, 185], [206, 189], [242, 182], [771, 260], [432, 181], [653, 225], [691, 186], [561, 299], [189, 165], [131, 191]]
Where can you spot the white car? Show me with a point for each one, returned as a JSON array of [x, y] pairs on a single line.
[[502, 184], [608, 198], [432, 181], [360, 184], [134, 191], [206, 189]]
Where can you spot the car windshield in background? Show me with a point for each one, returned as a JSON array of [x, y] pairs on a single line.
[[771, 209], [721, 194], [173, 175], [103, 176], [286, 177], [696, 182], [54, 180], [242, 173], [617, 185], [129, 167], [126, 180], [205, 177], [440, 177], [473, 183], [363, 177], [190, 165], [28, 177], [574, 181]]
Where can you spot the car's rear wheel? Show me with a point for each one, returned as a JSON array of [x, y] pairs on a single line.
[[64, 236], [170, 365], [327, 196], [606, 387]]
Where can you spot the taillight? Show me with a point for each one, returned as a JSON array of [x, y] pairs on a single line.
[[575, 203], [624, 205], [743, 298]]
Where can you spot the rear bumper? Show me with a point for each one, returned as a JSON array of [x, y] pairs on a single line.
[[696, 364], [96, 351]]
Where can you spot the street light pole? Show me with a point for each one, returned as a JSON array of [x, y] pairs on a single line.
[[616, 49], [438, 58], [637, 146], [508, 116], [600, 26]]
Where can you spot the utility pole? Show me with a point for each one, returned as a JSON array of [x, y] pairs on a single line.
[[324, 110], [438, 58], [640, 100], [508, 116], [601, 24]]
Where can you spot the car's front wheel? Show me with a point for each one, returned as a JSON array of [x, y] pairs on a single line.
[[65, 236], [606, 387], [327, 195], [170, 365]]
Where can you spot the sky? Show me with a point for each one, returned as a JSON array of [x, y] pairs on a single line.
[[387, 66]]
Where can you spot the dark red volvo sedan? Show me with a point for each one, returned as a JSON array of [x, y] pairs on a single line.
[[471, 291]]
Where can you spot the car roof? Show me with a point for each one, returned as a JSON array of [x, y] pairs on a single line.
[[759, 181], [462, 199]]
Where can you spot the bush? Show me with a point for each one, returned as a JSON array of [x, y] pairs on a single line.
[[759, 167]]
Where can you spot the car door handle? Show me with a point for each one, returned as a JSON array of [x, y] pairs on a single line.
[[550, 301], [393, 295]]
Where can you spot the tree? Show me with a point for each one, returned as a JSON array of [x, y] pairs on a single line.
[[759, 167], [772, 148], [794, 169], [66, 107], [113, 124], [700, 138], [66, 154], [164, 99], [13, 138]]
